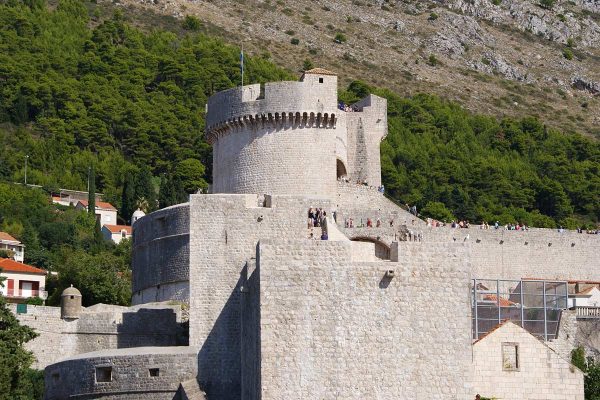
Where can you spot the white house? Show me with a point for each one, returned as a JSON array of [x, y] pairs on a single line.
[[9, 243], [105, 212], [510, 363], [589, 297], [116, 233], [22, 281], [67, 197]]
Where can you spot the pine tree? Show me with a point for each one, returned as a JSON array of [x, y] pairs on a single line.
[[98, 237], [166, 195], [128, 198], [92, 191], [144, 189]]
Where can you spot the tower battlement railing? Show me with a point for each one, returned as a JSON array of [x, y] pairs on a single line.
[[275, 120], [271, 101]]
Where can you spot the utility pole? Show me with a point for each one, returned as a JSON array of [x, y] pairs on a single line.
[[26, 158]]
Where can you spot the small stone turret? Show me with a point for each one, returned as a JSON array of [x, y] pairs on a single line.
[[137, 214], [70, 303]]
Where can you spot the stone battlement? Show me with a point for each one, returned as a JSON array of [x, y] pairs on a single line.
[[316, 96]]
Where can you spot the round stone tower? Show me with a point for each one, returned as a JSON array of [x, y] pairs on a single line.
[[70, 303], [280, 138]]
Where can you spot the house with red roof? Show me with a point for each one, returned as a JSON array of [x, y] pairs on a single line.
[[116, 233], [589, 297], [106, 213], [15, 247], [22, 281]]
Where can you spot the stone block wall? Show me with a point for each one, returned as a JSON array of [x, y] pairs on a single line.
[[282, 159], [331, 328], [536, 253], [160, 262], [100, 327], [130, 376], [575, 332], [366, 129], [539, 374], [224, 231], [309, 96]]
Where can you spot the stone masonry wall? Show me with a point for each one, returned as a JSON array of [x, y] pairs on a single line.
[[575, 332], [258, 150], [224, 230], [130, 374], [335, 329], [279, 160], [537, 253], [366, 130], [541, 373], [99, 327], [161, 256]]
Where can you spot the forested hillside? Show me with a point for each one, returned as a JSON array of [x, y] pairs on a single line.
[[78, 90]]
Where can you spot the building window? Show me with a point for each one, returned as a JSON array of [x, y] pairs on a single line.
[[510, 356], [103, 374], [123, 234], [320, 80], [55, 377], [154, 371]]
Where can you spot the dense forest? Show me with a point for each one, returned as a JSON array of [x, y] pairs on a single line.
[[81, 91]]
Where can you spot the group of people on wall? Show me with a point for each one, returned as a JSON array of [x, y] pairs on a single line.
[[317, 218]]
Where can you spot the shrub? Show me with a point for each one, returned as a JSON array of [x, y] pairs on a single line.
[[307, 64], [496, 2], [433, 16], [570, 42], [432, 60], [295, 41], [568, 53], [340, 38], [191, 23], [290, 32], [547, 4]]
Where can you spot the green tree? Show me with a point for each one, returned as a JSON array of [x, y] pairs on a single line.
[[190, 173], [191, 23], [166, 193], [144, 189], [438, 211], [128, 198], [92, 192]]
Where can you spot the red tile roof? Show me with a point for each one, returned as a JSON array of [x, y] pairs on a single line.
[[7, 237], [118, 228], [99, 204], [586, 291], [503, 302], [7, 265]]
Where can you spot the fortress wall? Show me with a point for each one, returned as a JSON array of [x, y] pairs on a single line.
[[366, 129], [308, 96], [56, 338], [131, 379], [224, 230], [537, 253], [279, 160], [161, 256], [120, 328], [331, 328]]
